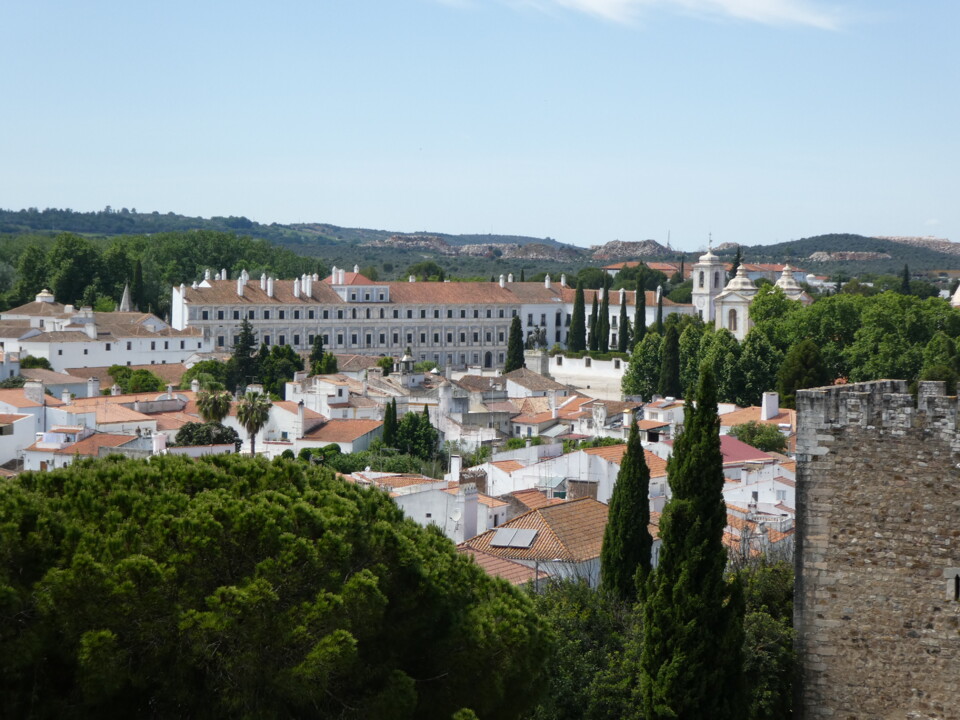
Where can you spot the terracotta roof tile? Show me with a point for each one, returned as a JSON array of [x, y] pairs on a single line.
[[534, 498], [533, 380], [615, 453], [508, 466], [513, 572], [752, 414], [7, 418], [343, 430]]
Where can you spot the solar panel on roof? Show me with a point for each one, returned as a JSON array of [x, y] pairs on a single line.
[[523, 538], [502, 537]]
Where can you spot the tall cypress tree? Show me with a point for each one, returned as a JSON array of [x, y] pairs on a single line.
[[905, 281], [669, 385], [623, 339], [316, 350], [625, 554], [603, 321], [390, 423], [737, 260], [640, 312], [660, 310], [521, 275], [594, 314], [690, 663], [577, 339], [514, 347], [136, 290]]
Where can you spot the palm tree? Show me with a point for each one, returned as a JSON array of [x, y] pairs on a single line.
[[253, 411], [213, 406]]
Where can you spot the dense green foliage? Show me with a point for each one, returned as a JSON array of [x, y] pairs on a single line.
[[211, 374], [29, 361], [214, 406], [207, 433], [627, 543], [692, 615], [232, 587], [134, 381], [277, 367], [577, 338], [762, 436], [416, 436], [668, 384], [253, 411], [643, 373]]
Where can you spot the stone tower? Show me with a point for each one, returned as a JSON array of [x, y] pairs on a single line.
[[709, 277], [877, 602]]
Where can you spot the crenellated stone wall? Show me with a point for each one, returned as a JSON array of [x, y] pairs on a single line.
[[878, 552]]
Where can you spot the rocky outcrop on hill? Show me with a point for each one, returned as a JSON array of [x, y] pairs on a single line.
[[621, 250], [822, 256], [421, 242], [931, 243], [433, 243]]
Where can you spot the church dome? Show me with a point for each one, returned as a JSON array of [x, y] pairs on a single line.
[[788, 283], [708, 258], [741, 283]]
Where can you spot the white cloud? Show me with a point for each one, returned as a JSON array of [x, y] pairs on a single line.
[[767, 12]]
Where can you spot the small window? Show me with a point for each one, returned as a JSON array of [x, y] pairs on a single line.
[[220, 341], [559, 359], [205, 315], [296, 340], [500, 337], [339, 314], [616, 363], [252, 315], [166, 344], [60, 352], [266, 314], [108, 347], [326, 314], [153, 345], [182, 344], [353, 313], [476, 337], [463, 314], [219, 314], [383, 338], [586, 362], [86, 352], [501, 312], [489, 313], [353, 339], [266, 339], [476, 313], [423, 338], [296, 314], [369, 339], [283, 314], [282, 340], [396, 314], [236, 314], [436, 314], [423, 314], [449, 313], [339, 339], [129, 345], [700, 281], [436, 338], [310, 315]]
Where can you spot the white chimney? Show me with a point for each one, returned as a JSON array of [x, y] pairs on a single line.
[[183, 289], [114, 389], [502, 282], [93, 387], [195, 385], [468, 493], [553, 404], [770, 406], [194, 285], [510, 277], [33, 390], [169, 391], [91, 329], [223, 274], [456, 463], [158, 443], [356, 269], [307, 286], [563, 279], [217, 276], [316, 278], [343, 274], [270, 287], [546, 281], [245, 275], [206, 274], [296, 287], [240, 286], [298, 430], [263, 281], [412, 278], [66, 397]]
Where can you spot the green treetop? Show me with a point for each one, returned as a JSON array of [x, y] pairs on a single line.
[[668, 384], [577, 340], [515, 359], [594, 339]]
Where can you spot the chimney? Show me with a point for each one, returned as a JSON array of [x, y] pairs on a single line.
[[263, 281], [194, 285], [563, 280], [217, 276], [270, 287], [510, 277], [356, 269], [316, 278], [66, 397], [468, 493], [206, 274], [183, 289], [158, 443], [770, 406], [296, 287], [412, 278], [298, 430], [627, 420], [240, 286], [502, 282], [33, 390], [91, 329], [93, 387], [456, 464], [195, 385], [223, 274], [546, 281], [245, 275], [169, 391], [307, 285], [553, 404], [342, 273], [114, 389]]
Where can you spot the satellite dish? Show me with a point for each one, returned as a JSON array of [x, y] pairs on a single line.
[[456, 516]]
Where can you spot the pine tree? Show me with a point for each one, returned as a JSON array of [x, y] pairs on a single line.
[[603, 321], [802, 368], [625, 554], [514, 347], [640, 312], [316, 350], [242, 367], [389, 436], [690, 664], [577, 339], [623, 339], [669, 384], [660, 310], [594, 342]]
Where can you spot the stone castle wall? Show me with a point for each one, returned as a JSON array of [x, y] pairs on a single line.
[[878, 552]]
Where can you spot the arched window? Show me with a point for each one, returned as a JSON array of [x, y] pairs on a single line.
[[716, 279], [732, 320], [701, 278]]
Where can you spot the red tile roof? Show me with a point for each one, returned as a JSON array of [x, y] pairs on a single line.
[[513, 572], [343, 430]]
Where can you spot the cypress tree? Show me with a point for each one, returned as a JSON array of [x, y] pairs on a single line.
[[603, 321], [390, 423], [691, 658], [640, 312], [316, 350], [737, 260], [660, 310], [625, 554], [594, 313], [521, 275], [577, 340], [669, 385], [905, 282], [623, 339], [136, 291], [514, 347]]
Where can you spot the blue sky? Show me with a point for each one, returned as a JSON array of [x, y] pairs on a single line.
[[583, 120]]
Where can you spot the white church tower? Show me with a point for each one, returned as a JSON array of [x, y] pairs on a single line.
[[733, 305], [709, 277]]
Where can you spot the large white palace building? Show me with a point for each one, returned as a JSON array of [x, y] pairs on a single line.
[[451, 323]]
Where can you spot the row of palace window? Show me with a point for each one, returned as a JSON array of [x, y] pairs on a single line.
[[355, 314], [368, 338]]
